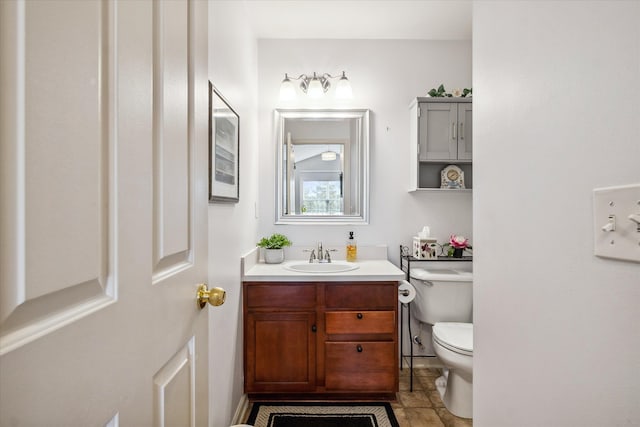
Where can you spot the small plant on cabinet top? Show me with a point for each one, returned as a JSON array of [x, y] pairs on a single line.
[[442, 93], [275, 241]]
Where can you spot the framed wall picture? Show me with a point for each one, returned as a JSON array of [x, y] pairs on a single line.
[[224, 149]]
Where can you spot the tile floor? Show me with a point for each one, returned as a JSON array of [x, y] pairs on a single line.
[[423, 407]]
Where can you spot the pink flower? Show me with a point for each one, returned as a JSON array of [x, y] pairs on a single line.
[[459, 242]]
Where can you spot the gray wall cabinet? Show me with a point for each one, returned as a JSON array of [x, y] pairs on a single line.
[[441, 135]]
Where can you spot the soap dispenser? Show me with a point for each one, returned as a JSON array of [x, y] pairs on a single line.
[[352, 248]]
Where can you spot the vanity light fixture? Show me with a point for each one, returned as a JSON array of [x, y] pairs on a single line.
[[287, 90], [315, 86], [343, 88]]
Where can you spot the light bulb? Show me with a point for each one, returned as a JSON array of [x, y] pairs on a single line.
[[287, 89], [343, 88], [315, 88]]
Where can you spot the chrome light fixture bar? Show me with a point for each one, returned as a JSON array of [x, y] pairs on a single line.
[[315, 86]]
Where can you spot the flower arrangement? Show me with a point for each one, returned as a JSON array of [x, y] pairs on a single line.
[[275, 241], [458, 93], [457, 245]]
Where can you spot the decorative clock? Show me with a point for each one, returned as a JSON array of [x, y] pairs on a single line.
[[452, 177]]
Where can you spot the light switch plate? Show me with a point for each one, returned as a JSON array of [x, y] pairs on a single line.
[[615, 234]]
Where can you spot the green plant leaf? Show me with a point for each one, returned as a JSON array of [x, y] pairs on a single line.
[[275, 241]]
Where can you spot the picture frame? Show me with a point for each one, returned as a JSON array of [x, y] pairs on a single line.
[[224, 149]]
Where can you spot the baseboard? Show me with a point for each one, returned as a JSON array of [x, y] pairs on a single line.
[[422, 362], [242, 411]]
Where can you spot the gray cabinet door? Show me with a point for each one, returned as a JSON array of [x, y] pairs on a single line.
[[438, 131], [465, 136]]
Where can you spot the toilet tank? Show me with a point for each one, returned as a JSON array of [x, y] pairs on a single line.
[[442, 294]]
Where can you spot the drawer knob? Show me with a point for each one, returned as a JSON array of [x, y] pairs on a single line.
[[359, 315], [314, 328], [359, 348]]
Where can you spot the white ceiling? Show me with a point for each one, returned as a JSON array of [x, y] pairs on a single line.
[[360, 19]]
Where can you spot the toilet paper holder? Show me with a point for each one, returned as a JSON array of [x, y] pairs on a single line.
[[406, 292]]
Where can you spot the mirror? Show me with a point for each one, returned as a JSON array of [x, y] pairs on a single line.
[[323, 166]]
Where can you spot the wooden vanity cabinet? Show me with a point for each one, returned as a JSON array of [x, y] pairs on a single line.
[[321, 338]]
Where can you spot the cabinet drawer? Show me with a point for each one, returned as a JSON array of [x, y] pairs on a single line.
[[360, 322], [363, 366], [290, 296], [362, 296]]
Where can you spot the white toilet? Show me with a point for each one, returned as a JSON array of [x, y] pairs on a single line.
[[444, 299]]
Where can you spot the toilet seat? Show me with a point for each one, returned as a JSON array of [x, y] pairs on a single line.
[[457, 337]]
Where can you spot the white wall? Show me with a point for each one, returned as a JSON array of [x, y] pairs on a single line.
[[385, 75], [556, 109], [232, 227]]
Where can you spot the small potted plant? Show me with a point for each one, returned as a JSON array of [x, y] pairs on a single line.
[[457, 245], [274, 248]]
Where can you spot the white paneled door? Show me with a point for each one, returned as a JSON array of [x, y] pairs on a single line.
[[103, 212]]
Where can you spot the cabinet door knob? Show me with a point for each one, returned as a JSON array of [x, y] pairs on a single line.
[[314, 328], [359, 348], [359, 315]]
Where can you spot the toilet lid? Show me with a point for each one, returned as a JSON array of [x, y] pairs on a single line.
[[456, 337]]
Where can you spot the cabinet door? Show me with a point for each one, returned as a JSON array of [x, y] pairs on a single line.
[[438, 131], [280, 352], [465, 135]]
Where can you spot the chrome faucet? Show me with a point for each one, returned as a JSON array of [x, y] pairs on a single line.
[[322, 254]]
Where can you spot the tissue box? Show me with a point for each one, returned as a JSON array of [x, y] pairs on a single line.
[[425, 248]]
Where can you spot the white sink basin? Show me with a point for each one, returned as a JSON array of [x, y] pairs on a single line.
[[327, 267]]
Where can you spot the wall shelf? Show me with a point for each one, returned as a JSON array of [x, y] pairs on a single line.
[[405, 265], [441, 190]]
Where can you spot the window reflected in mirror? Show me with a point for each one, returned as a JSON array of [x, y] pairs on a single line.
[[322, 166]]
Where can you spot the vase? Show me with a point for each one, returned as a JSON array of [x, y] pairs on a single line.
[[457, 252], [273, 256]]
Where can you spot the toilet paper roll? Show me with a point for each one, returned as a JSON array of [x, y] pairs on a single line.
[[406, 292]]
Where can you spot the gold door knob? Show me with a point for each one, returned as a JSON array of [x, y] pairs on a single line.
[[214, 296]]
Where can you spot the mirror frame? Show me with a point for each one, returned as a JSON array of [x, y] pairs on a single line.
[[280, 116]]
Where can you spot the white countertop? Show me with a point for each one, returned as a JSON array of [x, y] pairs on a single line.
[[368, 270]]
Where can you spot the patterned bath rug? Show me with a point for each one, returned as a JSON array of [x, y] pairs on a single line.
[[320, 414]]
